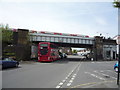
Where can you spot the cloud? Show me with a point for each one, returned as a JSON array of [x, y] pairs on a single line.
[[101, 21], [22, 1], [63, 17]]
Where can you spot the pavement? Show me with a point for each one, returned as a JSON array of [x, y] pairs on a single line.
[[27, 62]]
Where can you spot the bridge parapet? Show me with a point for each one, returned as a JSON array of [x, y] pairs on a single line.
[[61, 38]]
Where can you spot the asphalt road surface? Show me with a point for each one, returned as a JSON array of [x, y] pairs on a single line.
[[65, 73]]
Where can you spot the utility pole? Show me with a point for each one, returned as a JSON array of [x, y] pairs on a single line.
[[118, 42]]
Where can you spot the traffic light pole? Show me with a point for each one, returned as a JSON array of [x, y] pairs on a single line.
[[118, 45], [118, 66]]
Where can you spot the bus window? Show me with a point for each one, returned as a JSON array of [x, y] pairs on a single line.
[[44, 49]]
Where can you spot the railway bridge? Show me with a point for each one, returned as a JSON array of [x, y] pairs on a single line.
[[62, 39], [100, 47]]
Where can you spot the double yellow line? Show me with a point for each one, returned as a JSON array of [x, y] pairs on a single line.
[[91, 83]]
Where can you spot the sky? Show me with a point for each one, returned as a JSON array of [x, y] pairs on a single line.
[[87, 18]]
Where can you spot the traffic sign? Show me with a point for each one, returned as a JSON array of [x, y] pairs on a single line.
[[118, 40]]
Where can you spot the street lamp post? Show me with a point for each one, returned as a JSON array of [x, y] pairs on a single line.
[[118, 42], [110, 53]]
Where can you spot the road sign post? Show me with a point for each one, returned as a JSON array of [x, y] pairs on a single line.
[[118, 42], [118, 66]]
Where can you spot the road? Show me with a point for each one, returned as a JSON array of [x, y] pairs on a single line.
[[66, 73]]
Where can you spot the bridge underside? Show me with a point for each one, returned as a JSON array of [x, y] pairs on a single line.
[[70, 45]]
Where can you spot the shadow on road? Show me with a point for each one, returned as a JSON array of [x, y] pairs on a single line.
[[67, 60], [61, 61], [12, 68], [75, 59]]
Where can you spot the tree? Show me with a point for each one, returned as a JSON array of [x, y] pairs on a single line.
[[7, 34], [116, 3], [74, 51]]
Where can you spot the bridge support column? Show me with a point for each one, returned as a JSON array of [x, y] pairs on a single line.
[[98, 48], [91, 54]]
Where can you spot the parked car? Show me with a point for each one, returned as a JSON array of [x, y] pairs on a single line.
[[75, 54], [64, 55], [61, 55], [116, 67], [8, 62]]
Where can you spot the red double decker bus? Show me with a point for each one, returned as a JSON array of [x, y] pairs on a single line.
[[47, 51]]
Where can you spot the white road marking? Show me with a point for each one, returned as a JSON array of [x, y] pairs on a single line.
[[58, 87], [101, 71], [69, 74], [60, 83], [75, 74], [86, 72], [68, 84], [108, 71], [63, 81], [66, 78], [105, 75], [95, 76], [71, 81], [111, 71], [73, 77], [72, 71], [100, 62]]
